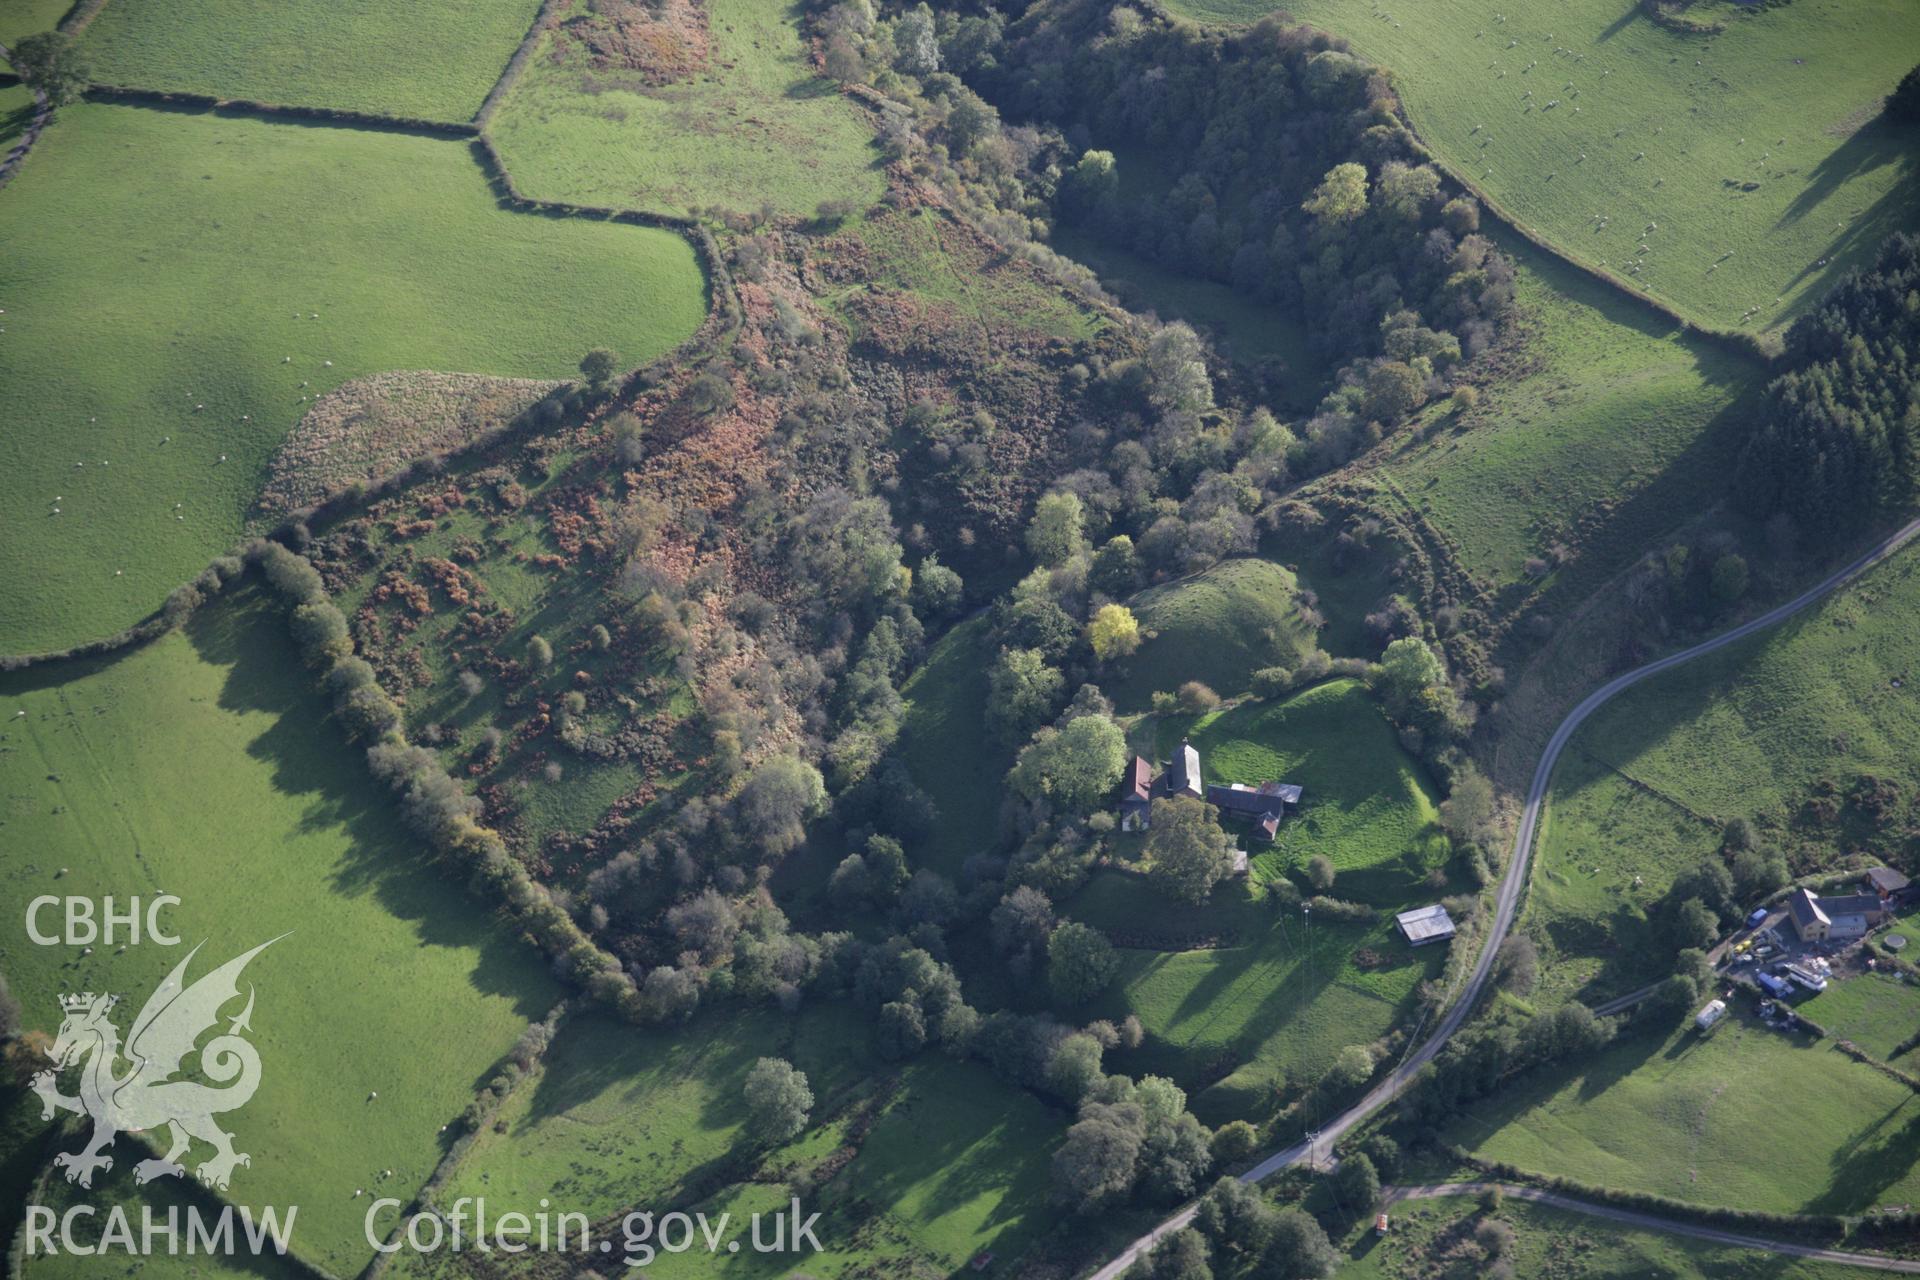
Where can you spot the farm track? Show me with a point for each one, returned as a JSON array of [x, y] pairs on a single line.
[[1512, 885], [1648, 1222]]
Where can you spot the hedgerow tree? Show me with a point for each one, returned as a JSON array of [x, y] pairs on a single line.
[[1023, 693], [1056, 533], [1075, 766], [598, 367], [778, 1100], [1080, 962], [52, 64]]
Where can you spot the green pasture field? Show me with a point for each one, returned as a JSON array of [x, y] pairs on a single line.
[[1708, 1118], [1552, 1244], [1877, 1011], [1748, 732], [175, 250], [754, 127], [952, 1160], [1609, 428], [1264, 1006], [422, 59], [1218, 627], [30, 17], [944, 721], [16, 113], [202, 766], [1245, 331], [1761, 143]]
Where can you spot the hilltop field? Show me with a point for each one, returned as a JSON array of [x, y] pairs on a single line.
[[1752, 157], [708, 106], [220, 289], [203, 762]]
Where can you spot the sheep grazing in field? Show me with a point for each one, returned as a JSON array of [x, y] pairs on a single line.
[[223, 458], [327, 363], [197, 408]]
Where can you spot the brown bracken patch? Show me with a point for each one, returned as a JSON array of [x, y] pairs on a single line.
[[662, 42]]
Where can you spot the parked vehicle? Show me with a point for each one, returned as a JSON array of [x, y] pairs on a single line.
[[1757, 918], [1807, 978], [1714, 1011], [1774, 985]]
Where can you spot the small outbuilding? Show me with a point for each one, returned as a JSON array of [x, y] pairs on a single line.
[[1425, 924]]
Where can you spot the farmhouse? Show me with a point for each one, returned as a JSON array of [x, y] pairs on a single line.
[[1265, 804], [1425, 924], [1827, 919]]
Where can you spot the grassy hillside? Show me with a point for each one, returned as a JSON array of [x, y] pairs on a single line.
[[429, 59], [1264, 1005], [753, 126], [945, 724], [1760, 142], [1550, 1244], [1762, 730], [176, 250], [1603, 428], [919, 1170], [201, 766], [1695, 1118], [1217, 627]]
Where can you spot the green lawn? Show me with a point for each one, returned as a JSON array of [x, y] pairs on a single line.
[[1610, 429], [203, 766], [754, 127], [1218, 627], [1749, 732], [425, 59], [29, 17], [1266, 1006], [1746, 1116], [174, 251], [1877, 1011], [1250, 332], [1760, 142], [1552, 1244]]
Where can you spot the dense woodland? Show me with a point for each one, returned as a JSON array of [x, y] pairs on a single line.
[[1839, 446]]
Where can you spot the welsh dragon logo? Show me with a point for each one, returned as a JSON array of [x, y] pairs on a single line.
[[144, 1095]]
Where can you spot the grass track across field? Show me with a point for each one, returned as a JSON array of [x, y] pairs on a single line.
[[754, 127], [1784, 99], [423, 59], [202, 766], [174, 249]]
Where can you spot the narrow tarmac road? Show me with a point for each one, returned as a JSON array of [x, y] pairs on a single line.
[[1512, 885], [1648, 1222]]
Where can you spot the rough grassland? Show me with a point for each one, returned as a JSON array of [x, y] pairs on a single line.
[[1615, 429], [426, 59], [28, 17], [200, 766], [1707, 1119], [1264, 1008], [1673, 129], [1745, 732], [755, 127], [174, 250], [1551, 1244], [1217, 627], [1246, 331]]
